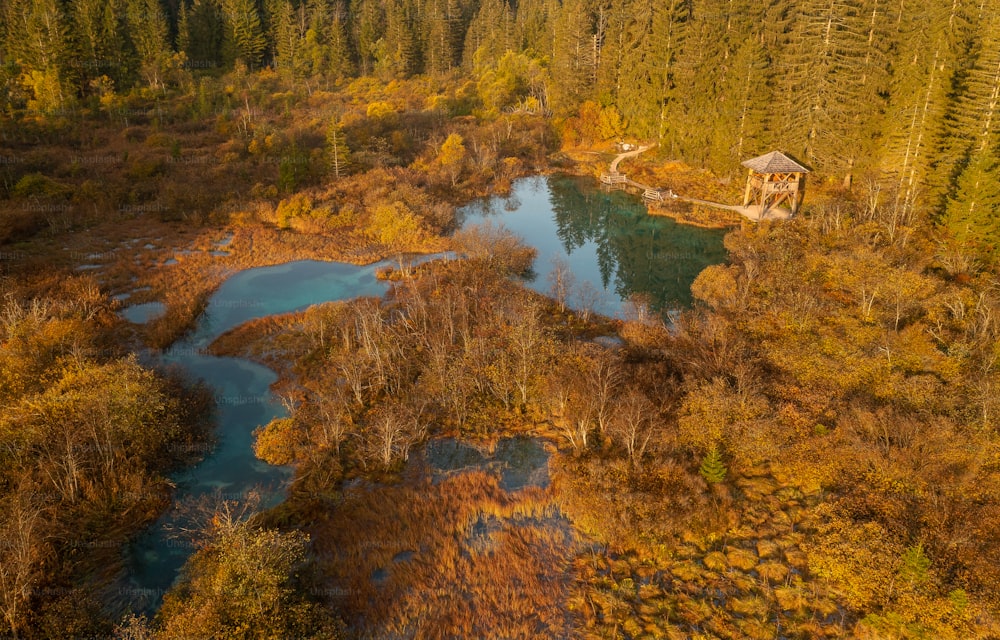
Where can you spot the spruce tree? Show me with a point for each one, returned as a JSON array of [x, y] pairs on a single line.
[[712, 469], [931, 44], [243, 37], [489, 35], [533, 27], [974, 125], [204, 34], [337, 152], [338, 47], [368, 24], [832, 88], [443, 34], [740, 131], [396, 52], [573, 64], [972, 213], [289, 39], [614, 49], [38, 40], [183, 40], [645, 86], [147, 24]]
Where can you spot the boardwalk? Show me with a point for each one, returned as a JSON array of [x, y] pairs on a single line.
[[652, 194]]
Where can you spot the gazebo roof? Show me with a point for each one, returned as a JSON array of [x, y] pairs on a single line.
[[774, 162]]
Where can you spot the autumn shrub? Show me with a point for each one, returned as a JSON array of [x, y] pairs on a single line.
[[37, 184], [87, 440]]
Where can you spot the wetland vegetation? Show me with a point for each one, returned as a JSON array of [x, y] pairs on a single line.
[[686, 428]]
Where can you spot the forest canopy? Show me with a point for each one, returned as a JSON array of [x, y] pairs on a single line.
[[854, 88]]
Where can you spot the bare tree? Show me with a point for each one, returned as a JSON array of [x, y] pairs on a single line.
[[589, 299], [527, 341], [631, 425], [391, 431], [335, 419], [571, 403], [603, 381], [21, 518], [561, 282]]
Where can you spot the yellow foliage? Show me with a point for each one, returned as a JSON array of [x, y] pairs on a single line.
[[380, 110], [277, 441], [395, 226]]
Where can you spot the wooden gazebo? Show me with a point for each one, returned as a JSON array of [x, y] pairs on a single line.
[[774, 179]]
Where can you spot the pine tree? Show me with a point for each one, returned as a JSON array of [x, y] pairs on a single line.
[[489, 35], [243, 36], [204, 34], [573, 68], [38, 40], [337, 153], [972, 213], [148, 30], [712, 469]]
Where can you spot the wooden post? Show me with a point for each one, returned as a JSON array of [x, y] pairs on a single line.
[[797, 194]]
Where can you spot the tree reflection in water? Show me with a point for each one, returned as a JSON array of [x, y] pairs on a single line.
[[607, 239]]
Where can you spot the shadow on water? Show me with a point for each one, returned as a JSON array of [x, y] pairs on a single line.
[[607, 239], [520, 462]]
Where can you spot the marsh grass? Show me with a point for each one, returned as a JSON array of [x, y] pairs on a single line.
[[730, 568], [460, 557]]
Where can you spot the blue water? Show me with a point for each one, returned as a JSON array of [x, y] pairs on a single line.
[[610, 243], [242, 392], [519, 462], [142, 313], [607, 239]]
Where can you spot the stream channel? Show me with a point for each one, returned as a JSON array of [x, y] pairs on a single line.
[[613, 248]]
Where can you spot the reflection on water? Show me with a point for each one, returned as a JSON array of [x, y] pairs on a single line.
[[143, 313], [519, 462], [612, 246]]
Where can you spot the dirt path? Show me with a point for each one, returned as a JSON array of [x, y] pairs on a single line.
[[628, 154]]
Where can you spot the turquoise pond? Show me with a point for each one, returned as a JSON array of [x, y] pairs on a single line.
[[241, 388], [606, 239]]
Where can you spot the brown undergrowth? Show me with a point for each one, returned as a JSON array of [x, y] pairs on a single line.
[[456, 558], [684, 560]]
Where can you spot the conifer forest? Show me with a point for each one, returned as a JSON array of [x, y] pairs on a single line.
[[340, 319]]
